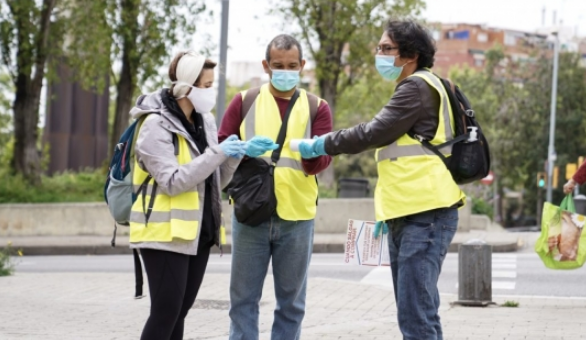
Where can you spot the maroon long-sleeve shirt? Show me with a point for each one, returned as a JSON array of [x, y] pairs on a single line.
[[580, 175], [322, 124]]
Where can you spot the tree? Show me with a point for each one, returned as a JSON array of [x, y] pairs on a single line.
[[90, 36], [5, 117], [341, 37], [29, 34], [513, 105], [142, 33]]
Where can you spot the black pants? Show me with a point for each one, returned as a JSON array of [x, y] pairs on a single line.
[[174, 280]]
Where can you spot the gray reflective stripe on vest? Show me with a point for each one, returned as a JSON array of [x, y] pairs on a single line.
[[165, 217], [135, 188], [284, 162], [250, 121], [393, 151]]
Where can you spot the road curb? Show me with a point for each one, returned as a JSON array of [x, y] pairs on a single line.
[[124, 249]]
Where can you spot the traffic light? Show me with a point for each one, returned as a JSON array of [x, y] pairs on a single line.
[[555, 176], [541, 179]]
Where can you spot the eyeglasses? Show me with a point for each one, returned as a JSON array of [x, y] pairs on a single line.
[[386, 49]]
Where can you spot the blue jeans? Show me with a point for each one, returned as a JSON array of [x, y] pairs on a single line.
[[417, 246], [290, 245]]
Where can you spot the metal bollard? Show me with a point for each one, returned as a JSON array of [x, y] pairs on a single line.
[[475, 274]]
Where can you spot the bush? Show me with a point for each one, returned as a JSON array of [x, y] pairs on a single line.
[[6, 265], [85, 186], [481, 207]]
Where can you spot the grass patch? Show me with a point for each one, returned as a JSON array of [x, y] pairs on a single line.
[[510, 304], [85, 186]]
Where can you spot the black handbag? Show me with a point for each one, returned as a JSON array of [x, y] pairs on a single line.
[[252, 188]]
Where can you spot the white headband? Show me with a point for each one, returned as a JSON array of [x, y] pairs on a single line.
[[188, 69]]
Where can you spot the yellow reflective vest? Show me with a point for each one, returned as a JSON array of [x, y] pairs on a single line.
[[411, 178], [296, 191], [171, 216]]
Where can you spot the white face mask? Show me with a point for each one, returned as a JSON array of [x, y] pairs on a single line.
[[203, 100]]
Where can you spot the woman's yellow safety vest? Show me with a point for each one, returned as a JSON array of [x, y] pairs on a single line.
[[296, 191], [411, 178], [171, 216]]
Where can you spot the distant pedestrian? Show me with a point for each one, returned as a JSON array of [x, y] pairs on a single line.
[[416, 198], [177, 218], [578, 178], [286, 238]]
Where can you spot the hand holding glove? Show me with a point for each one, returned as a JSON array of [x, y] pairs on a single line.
[[377, 228], [314, 150], [258, 145], [233, 147]]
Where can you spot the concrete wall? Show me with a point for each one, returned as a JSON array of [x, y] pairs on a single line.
[[94, 218]]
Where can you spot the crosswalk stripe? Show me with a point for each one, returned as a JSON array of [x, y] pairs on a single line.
[[504, 274]]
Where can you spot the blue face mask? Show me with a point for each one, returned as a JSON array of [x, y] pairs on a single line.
[[385, 65], [284, 80]]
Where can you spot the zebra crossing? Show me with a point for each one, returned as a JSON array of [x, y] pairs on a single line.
[[504, 274], [504, 271]]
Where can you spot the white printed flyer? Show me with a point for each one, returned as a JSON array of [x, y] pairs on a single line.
[[362, 248]]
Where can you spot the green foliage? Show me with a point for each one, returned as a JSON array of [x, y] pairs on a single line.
[[482, 207], [326, 192], [359, 104], [6, 265], [85, 186], [513, 105], [341, 36], [510, 304], [5, 118]]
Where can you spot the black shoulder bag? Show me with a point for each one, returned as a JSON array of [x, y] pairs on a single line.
[[252, 188]]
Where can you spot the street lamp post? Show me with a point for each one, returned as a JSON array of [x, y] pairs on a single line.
[[221, 101], [551, 157]]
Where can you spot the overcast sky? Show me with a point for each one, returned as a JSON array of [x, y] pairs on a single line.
[[251, 28]]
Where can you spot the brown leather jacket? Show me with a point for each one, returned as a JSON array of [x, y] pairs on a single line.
[[414, 107]]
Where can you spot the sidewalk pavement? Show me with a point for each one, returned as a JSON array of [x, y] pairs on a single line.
[[499, 238], [74, 306]]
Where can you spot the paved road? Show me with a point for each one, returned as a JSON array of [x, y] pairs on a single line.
[[512, 274]]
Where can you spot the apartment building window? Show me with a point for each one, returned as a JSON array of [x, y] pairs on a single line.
[[510, 39], [482, 37]]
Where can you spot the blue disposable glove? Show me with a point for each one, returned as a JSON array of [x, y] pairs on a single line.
[[314, 150], [258, 145], [378, 226], [233, 147]]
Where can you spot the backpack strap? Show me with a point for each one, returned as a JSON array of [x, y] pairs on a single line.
[[176, 144], [248, 100], [313, 105], [138, 279]]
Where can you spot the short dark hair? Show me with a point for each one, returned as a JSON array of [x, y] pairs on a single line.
[[283, 42], [412, 39]]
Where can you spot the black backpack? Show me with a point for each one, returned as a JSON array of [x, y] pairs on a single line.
[[470, 159]]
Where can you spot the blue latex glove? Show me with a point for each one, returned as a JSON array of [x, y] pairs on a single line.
[[233, 147], [314, 150], [378, 226], [258, 145]]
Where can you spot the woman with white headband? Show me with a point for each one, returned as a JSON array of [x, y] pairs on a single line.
[[179, 170]]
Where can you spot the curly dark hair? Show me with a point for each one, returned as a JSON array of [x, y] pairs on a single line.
[[412, 39]]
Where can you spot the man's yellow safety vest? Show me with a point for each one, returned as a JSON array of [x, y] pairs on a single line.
[[411, 178], [296, 191]]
